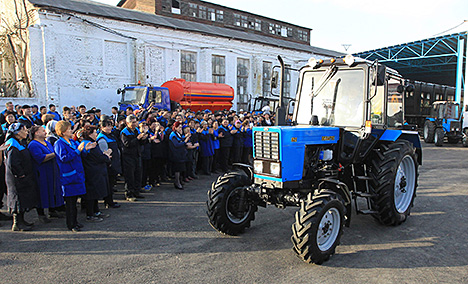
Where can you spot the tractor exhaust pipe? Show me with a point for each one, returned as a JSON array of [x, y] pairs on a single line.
[[280, 116]]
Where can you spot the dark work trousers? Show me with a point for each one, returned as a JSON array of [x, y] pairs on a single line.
[[91, 207], [109, 199], [247, 155], [132, 174], [159, 169], [224, 154], [3, 187], [207, 163], [215, 165], [194, 160], [70, 209], [146, 172], [236, 154]]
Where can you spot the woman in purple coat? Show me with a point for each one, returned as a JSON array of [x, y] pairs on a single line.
[[47, 173], [72, 177]]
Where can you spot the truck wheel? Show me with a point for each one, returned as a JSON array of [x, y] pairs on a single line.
[[228, 207], [318, 227], [439, 137], [429, 131], [394, 172]]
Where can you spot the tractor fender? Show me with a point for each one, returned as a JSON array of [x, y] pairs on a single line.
[[342, 189], [248, 169], [411, 136]]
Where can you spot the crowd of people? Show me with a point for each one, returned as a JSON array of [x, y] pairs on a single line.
[[52, 159]]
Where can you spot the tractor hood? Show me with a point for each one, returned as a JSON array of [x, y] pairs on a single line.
[[292, 141]]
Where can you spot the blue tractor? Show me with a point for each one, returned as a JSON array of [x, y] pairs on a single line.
[[348, 148], [443, 122]]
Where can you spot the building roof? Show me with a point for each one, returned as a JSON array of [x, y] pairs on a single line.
[[430, 60], [107, 11]]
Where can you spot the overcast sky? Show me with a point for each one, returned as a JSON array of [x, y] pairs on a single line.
[[365, 24]]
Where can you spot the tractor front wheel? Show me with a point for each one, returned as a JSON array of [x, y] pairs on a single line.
[[429, 131], [439, 137], [229, 208], [318, 227]]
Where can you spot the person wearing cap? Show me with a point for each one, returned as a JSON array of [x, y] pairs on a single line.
[[23, 194], [72, 176], [26, 119], [132, 139], [52, 110]]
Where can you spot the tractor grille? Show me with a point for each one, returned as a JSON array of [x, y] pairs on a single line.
[[455, 126], [266, 145]]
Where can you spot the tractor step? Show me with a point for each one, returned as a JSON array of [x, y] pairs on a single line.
[[365, 194], [367, 212], [362, 178]]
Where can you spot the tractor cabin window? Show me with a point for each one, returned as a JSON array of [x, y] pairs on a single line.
[[395, 104]]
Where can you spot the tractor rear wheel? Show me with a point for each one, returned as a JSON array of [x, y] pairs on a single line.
[[394, 173], [318, 227], [429, 131], [229, 209], [439, 137]]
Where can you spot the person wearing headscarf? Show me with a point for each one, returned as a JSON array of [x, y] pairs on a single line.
[[47, 174], [95, 163], [72, 177], [51, 135], [20, 177]]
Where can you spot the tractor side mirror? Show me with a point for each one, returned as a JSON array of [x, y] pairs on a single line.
[[409, 88], [314, 120], [381, 73], [119, 91], [274, 80]]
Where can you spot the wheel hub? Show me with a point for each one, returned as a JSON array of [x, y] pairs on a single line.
[[403, 184], [328, 229]]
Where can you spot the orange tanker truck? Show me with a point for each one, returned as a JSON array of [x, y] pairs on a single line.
[[195, 96]]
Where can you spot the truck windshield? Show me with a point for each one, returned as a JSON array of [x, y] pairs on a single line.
[[339, 103], [134, 96]]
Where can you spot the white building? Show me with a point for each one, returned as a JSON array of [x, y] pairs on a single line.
[[82, 51]]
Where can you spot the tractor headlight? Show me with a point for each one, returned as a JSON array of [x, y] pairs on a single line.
[[258, 167], [275, 169]]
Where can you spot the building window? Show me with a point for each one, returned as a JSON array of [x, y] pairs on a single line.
[[303, 35], [290, 32], [258, 25], [193, 10], [244, 22], [278, 29], [271, 28], [266, 78], [188, 66], [284, 32], [202, 12], [218, 69], [211, 14], [175, 8], [237, 20], [219, 16], [243, 66]]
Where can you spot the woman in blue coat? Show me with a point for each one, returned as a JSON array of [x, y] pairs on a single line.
[[20, 177], [47, 172], [72, 177]]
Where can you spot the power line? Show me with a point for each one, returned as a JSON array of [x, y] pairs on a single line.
[[452, 28]]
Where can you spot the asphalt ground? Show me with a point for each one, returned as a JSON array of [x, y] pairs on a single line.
[[166, 238]]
